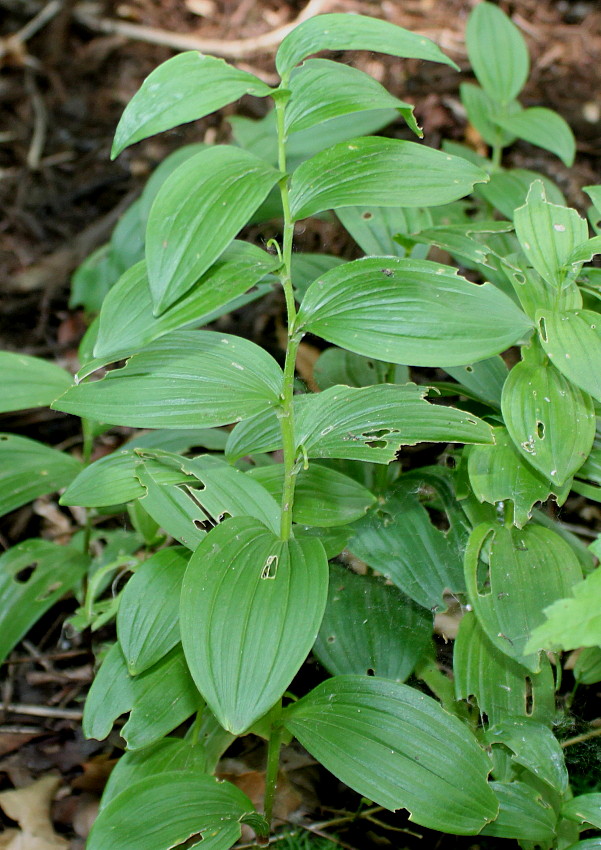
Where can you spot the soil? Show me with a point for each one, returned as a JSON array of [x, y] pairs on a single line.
[[62, 89]]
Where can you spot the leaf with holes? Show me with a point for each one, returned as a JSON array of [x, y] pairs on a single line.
[[484, 379], [572, 342], [523, 814], [250, 612], [374, 228], [497, 52], [30, 381], [586, 808], [573, 621], [534, 747]]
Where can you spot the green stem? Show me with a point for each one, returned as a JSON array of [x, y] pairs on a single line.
[[497, 153], [273, 762], [88, 445]]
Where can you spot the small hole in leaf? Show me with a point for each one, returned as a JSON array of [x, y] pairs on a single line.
[[370, 671], [519, 278], [376, 444], [24, 574], [367, 215], [540, 430], [270, 569], [529, 702], [194, 841], [331, 639], [543, 329], [52, 588], [469, 368], [3, 437]]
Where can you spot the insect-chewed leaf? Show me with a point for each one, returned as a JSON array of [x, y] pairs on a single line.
[[410, 311], [544, 128], [30, 381], [586, 808], [485, 378], [147, 620], [573, 621], [534, 747], [322, 89], [184, 88], [406, 751], [29, 469], [572, 342], [508, 190], [523, 814], [33, 576], [528, 569], [551, 421], [184, 380], [127, 322], [497, 52], [501, 687], [180, 806], [385, 172], [353, 32], [197, 212], [250, 612], [374, 228], [352, 640]]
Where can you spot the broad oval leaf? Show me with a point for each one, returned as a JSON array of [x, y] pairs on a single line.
[[523, 814], [337, 366], [572, 342], [30, 381], [573, 621], [250, 612], [353, 32], [374, 228], [534, 747], [148, 615], [544, 128], [385, 172], [497, 52], [184, 88], [184, 380], [508, 190], [371, 628], [180, 806], [485, 378], [197, 212], [586, 808], [399, 748], [410, 311]]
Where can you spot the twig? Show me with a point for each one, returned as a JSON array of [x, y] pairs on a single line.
[[43, 17], [43, 711], [579, 739]]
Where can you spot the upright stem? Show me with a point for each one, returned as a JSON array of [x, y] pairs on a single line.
[[273, 761], [88, 445]]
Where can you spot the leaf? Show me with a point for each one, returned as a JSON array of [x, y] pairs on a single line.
[[182, 89], [397, 747], [29, 469], [127, 322], [384, 172], [482, 111], [306, 267], [528, 569], [587, 669], [334, 540], [398, 540], [484, 378], [573, 621], [586, 808], [180, 806], [497, 52], [548, 234], [189, 229], [585, 251], [322, 89], [543, 128], [356, 32], [508, 190], [410, 311], [250, 611], [337, 366], [587, 844], [169, 506], [501, 686], [34, 575], [370, 628], [30, 381], [374, 228], [367, 423], [460, 239], [534, 747], [322, 497], [148, 616], [184, 380], [572, 342], [523, 814], [499, 473]]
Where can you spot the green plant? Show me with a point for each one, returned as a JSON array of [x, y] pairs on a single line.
[[216, 628]]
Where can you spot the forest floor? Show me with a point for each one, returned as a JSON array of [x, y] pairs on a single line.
[[67, 69]]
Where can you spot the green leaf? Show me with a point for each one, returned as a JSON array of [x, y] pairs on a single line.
[[250, 611], [410, 311], [501, 686], [397, 747], [497, 52], [528, 569], [34, 575], [159, 699], [196, 214], [306, 267], [482, 112], [147, 620], [184, 380], [585, 252], [499, 473], [127, 322], [551, 421], [366, 424], [322, 497], [548, 234], [523, 814], [180, 807], [587, 669], [182, 89], [534, 747], [587, 844], [574, 621], [334, 540], [543, 128], [460, 239], [572, 342], [585, 808], [30, 381], [169, 506], [337, 366], [29, 469], [508, 190], [370, 628], [353, 32], [322, 89], [384, 172], [484, 378], [374, 228], [398, 540]]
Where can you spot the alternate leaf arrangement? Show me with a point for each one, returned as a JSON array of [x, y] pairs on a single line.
[[216, 627]]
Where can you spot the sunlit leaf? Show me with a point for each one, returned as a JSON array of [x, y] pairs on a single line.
[[573, 621], [497, 52], [544, 128]]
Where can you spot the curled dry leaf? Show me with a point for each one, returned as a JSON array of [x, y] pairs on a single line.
[[30, 807]]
